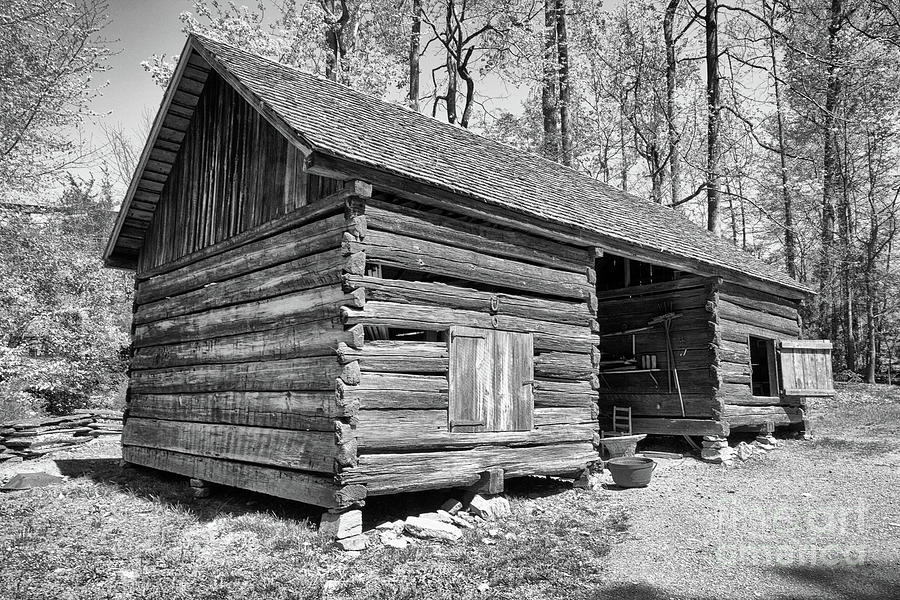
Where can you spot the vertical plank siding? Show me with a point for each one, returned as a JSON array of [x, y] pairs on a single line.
[[233, 172], [235, 376]]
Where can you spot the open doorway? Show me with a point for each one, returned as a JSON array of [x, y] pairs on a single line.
[[763, 368]]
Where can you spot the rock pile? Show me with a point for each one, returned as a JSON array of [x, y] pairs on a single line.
[[446, 524], [31, 439], [716, 449]]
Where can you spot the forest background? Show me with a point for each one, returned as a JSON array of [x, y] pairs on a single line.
[[773, 123]]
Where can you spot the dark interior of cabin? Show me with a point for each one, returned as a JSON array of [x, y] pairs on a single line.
[[761, 362], [614, 272]]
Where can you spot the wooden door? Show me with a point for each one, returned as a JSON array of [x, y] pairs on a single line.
[[806, 368], [491, 378]]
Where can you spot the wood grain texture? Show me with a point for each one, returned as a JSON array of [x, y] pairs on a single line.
[[662, 426], [281, 483], [806, 368], [234, 171], [399, 391], [407, 472], [440, 259], [467, 298], [300, 410], [310, 239], [480, 238], [397, 356], [290, 309], [313, 338], [312, 373], [490, 380], [316, 270], [547, 335], [302, 450]]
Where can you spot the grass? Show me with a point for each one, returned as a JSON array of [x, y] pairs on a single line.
[[135, 533], [108, 532]]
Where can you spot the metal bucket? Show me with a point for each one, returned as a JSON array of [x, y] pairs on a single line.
[[631, 471]]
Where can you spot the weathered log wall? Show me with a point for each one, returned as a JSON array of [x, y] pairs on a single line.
[[236, 378], [742, 312], [233, 171], [444, 271], [652, 394]]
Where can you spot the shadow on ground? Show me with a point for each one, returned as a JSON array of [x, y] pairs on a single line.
[[862, 582], [171, 489]]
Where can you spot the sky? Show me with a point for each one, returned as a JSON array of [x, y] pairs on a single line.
[[138, 29]]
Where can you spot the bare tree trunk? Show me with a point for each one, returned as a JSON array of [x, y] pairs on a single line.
[[827, 319], [712, 101], [734, 227], [463, 70], [414, 41], [548, 88], [871, 354], [674, 136], [845, 234], [624, 149], [334, 39], [790, 239], [452, 66], [562, 52]]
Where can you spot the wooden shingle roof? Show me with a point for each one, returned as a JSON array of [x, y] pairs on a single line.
[[331, 119]]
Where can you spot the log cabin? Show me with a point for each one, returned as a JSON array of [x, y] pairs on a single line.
[[337, 298]]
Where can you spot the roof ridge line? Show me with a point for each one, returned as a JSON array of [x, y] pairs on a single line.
[[411, 111]]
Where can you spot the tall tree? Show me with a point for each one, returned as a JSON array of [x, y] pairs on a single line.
[[830, 170], [549, 84], [414, 51], [790, 242], [49, 53], [565, 96], [713, 116], [671, 73]]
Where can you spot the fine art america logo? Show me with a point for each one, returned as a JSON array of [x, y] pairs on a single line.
[[821, 536]]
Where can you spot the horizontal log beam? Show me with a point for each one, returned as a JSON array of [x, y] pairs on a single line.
[[660, 426], [547, 335], [313, 238], [314, 338], [440, 259], [301, 410], [451, 296], [696, 405], [392, 356], [281, 483], [563, 365], [398, 391], [290, 309], [316, 270], [302, 450], [480, 238], [773, 323], [414, 471], [313, 373]]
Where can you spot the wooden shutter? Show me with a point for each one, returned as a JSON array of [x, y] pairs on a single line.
[[491, 375], [806, 368]]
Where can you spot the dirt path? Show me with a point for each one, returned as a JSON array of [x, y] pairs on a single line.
[[812, 519]]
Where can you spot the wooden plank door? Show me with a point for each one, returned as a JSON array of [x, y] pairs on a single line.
[[806, 368], [491, 377]]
